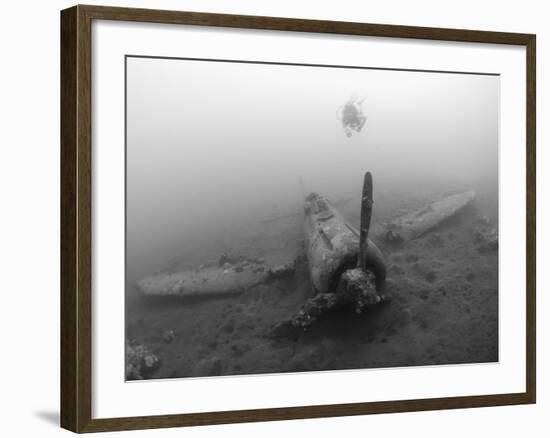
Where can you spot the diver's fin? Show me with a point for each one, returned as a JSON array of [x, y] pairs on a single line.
[[360, 127]]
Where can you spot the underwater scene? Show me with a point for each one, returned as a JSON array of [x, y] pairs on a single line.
[[300, 218]]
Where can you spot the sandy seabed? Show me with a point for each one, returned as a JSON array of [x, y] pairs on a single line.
[[444, 307]]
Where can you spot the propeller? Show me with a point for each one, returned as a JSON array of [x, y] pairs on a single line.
[[366, 214]]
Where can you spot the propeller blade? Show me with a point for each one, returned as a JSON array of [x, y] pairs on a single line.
[[366, 214]]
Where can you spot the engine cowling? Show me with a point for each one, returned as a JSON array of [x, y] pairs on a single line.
[[332, 246]]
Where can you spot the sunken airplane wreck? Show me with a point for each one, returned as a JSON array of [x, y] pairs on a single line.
[[345, 266]]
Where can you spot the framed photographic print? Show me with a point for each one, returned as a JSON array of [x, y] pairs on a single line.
[[271, 218]]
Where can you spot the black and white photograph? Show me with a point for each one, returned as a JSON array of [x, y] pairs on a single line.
[[286, 218], [274, 219]]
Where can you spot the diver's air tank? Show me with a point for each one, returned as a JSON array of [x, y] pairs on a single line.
[[332, 246]]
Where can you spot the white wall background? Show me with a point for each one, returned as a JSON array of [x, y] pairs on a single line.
[[29, 223]]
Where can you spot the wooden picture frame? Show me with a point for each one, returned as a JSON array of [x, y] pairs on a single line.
[[76, 217]]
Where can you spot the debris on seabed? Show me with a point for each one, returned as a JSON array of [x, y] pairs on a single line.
[[140, 362], [168, 336], [487, 240], [282, 271]]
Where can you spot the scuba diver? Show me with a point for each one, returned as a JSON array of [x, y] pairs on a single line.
[[351, 115]]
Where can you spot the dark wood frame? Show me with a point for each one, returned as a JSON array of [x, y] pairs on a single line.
[[76, 238]]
